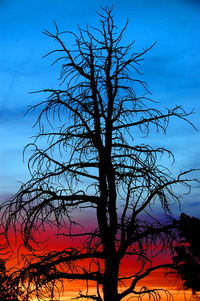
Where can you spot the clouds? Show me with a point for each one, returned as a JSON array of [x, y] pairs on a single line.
[[193, 2]]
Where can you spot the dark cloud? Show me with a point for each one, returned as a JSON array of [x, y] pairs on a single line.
[[6, 115], [196, 2]]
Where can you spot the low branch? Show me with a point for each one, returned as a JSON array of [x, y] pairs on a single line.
[[143, 275]]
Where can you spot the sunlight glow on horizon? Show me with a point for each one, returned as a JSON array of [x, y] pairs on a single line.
[[178, 295]]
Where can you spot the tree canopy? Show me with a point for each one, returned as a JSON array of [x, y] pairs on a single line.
[[187, 258]]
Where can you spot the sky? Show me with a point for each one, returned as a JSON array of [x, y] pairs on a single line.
[[171, 69]]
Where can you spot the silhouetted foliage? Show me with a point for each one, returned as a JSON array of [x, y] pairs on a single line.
[[187, 258], [9, 286], [93, 164]]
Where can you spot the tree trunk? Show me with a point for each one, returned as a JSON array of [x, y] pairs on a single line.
[[110, 286]]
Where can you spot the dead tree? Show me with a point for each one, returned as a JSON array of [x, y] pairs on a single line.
[[94, 163]]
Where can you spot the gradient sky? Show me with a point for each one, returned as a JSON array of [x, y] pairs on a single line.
[[171, 69]]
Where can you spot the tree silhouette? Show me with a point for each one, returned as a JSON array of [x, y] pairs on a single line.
[[187, 258], [94, 164], [9, 286]]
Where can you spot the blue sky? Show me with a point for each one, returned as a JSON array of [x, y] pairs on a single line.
[[171, 69]]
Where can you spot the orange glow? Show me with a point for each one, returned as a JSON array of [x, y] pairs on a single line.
[[72, 288]]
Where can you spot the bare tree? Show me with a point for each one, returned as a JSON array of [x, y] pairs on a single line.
[[94, 163]]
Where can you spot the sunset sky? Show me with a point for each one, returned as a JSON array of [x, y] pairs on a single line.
[[171, 69]]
